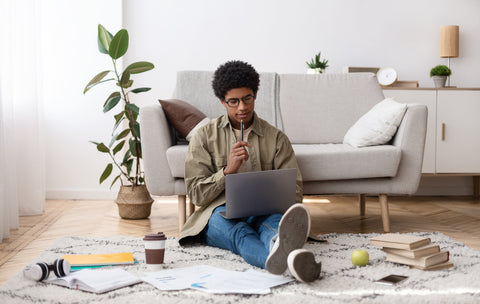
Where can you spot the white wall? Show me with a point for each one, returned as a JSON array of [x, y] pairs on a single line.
[[273, 35], [70, 60]]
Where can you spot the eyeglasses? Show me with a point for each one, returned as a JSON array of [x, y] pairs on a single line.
[[234, 102]]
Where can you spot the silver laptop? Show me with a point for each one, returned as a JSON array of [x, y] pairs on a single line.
[[259, 193]]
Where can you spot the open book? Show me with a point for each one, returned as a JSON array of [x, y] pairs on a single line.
[[97, 281]]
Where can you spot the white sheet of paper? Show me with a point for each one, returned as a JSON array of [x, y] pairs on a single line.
[[215, 280]]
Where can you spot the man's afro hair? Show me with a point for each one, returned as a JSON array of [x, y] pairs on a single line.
[[233, 75]]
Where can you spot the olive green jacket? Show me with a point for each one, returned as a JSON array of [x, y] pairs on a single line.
[[207, 156]]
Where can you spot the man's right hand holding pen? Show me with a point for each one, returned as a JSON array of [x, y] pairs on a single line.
[[238, 154]]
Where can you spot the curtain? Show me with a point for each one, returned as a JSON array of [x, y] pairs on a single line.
[[22, 147]]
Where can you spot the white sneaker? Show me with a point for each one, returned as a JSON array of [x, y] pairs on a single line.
[[293, 231], [302, 265]]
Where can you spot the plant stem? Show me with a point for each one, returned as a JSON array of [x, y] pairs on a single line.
[[131, 123], [120, 168]]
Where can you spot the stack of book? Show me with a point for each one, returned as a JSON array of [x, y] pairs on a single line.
[[415, 251]]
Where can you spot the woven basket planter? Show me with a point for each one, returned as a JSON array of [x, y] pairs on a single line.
[[134, 203]]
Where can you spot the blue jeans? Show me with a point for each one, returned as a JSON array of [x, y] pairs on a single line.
[[248, 237]]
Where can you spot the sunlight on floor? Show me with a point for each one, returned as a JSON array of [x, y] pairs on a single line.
[[316, 201]]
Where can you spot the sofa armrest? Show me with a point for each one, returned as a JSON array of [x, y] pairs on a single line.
[[410, 137], [156, 139]]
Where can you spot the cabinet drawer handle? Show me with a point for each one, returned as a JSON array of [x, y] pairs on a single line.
[[443, 131]]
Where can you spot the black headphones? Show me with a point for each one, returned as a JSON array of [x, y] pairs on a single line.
[[41, 271]]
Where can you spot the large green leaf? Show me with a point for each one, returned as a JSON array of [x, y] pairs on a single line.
[[139, 67], [118, 147], [131, 144], [114, 180], [110, 97], [119, 44], [128, 84], [125, 78], [136, 129], [129, 165], [106, 173], [140, 90], [96, 80], [123, 134], [119, 117], [111, 103], [133, 108], [102, 148], [130, 112], [127, 155], [104, 39]]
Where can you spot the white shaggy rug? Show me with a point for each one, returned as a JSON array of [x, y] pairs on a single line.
[[340, 282]]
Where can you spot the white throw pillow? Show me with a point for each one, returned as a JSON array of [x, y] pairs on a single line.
[[377, 126]]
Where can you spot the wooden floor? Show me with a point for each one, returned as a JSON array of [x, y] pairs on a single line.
[[457, 217]]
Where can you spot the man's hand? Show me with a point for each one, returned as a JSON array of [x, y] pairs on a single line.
[[238, 154]]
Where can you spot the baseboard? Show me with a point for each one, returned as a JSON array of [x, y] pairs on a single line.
[[429, 186]]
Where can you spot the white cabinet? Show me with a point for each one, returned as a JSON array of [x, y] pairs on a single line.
[[458, 131], [453, 128], [426, 97]]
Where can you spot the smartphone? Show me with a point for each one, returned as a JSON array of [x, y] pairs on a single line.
[[391, 279]]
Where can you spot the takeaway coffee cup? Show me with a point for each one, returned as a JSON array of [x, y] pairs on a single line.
[[154, 250]]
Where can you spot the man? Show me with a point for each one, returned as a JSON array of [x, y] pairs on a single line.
[[216, 150]]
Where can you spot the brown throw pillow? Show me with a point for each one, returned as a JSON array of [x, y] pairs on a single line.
[[182, 115]]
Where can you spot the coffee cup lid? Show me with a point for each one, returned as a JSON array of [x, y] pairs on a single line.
[[155, 237]]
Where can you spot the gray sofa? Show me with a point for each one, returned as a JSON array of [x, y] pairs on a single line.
[[315, 112]]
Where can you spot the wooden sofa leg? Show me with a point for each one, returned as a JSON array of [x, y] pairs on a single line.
[[182, 212], [361, 200], [384, 209]]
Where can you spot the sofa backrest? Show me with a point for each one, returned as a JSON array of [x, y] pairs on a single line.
[[321, 108], [195, 87]]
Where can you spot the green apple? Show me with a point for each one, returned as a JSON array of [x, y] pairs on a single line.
[[360, 257]]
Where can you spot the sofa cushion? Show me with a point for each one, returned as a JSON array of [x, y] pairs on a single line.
[[341, 161], [323, 161], [377, 126], [321, 108]]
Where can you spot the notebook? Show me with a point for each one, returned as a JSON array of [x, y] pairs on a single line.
[[99, 259], [259, 193]]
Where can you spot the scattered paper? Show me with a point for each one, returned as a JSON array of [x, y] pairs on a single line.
[[215, 280]]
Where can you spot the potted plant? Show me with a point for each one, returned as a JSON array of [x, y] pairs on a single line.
[[316, 65], [439, 75], [133, 200]]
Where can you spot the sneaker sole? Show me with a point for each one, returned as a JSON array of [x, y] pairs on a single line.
[[302, 265], [293, 231]]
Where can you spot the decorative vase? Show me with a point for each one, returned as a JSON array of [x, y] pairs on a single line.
[[134, 203], [439, 81], [315, 71]]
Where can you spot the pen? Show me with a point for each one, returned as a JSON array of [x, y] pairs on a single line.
[[241, 130]]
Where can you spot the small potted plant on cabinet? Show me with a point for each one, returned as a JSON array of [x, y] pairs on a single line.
[[316, 65], [133, 200], [439, 75]]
